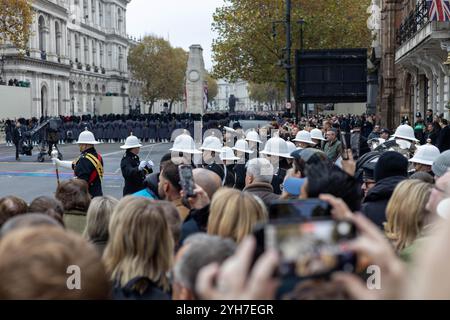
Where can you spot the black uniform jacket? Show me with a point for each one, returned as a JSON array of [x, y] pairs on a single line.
[[85, 169], [134, 179]]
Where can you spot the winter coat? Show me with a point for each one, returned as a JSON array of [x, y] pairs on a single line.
[[375, 203], [443, 141], [84, 169], [264, 191], [134, 178]]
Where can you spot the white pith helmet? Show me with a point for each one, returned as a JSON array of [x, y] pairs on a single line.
[[242, 146], [184, 143], [277, 147], [304, 136], [291, 147], [405, 132], [87, 137], [227, 154], [317, 134], [131, 143], [426, 155], [253, 136], [212, 143]]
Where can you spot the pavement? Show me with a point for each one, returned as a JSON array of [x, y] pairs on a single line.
[[28, 178]]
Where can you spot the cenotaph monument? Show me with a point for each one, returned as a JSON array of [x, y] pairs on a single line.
[[195, 81]]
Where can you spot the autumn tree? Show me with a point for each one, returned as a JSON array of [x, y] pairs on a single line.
[[212, 87], [266, 94], [176, 74], [160, 67], [15, 21], [250, 47]]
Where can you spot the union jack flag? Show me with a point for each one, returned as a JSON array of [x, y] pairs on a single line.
[[439, 10]]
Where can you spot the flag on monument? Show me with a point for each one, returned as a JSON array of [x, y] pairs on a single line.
[[439, 10]]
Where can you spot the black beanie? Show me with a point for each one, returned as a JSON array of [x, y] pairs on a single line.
[[391, 164]]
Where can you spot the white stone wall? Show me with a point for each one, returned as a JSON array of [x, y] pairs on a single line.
[[239, 89], [91, 33]]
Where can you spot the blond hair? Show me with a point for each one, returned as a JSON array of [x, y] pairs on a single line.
[[233, 214], [97, 217], [406, 211], [140, 243]]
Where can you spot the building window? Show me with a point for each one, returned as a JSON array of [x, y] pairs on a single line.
[[86, 51], [93, 5], [119, 20], [42, 42], [101, 54], [100, 13], [57, 39], [85, 9], [94, 53], [120, 59]]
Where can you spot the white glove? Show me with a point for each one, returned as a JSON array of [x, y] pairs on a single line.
[[150, 164], [62, 164], [142, 165]]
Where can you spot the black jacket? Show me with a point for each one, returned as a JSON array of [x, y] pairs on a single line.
[[375, 203], [134, 179], [443, 141], [240, 171], [263, 191], [85, 170], [17, 135], [196, 221], [278, 180], [128, 292]]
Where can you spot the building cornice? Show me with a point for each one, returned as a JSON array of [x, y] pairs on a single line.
[[46, 5]]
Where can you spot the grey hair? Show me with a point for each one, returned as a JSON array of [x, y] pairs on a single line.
[[260, 169], [202, 250]]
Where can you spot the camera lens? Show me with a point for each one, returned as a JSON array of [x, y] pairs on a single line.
[[343, 228]]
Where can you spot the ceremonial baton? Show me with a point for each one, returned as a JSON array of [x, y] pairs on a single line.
[[54, 155]]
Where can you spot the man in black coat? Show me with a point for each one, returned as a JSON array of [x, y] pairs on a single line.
[[443, 141], [134, 171], [390, 170], [17, 137]]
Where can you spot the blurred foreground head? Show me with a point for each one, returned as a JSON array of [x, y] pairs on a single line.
[[42, 262]]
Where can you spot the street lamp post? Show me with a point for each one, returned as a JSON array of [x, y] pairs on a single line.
[[286, 62], [73, 106], [94, 100]]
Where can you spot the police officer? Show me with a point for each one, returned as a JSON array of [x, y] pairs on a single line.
[[133, 170], [89, 165]]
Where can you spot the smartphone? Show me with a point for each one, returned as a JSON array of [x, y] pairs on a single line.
[[299, 209], [345, 140], [311, 249], [186, 180]]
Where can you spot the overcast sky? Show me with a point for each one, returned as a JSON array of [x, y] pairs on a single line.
[[183, 22]]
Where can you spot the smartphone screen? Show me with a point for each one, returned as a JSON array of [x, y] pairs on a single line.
[[186, 180], [299, 209], [311, 249], [345, 140]]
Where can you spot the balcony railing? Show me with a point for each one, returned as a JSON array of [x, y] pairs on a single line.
[[413, 23]]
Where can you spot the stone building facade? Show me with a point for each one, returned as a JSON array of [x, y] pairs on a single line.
[[77, 55], [413, 76]]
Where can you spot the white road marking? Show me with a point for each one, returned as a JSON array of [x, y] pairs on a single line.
[[122, 151]]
